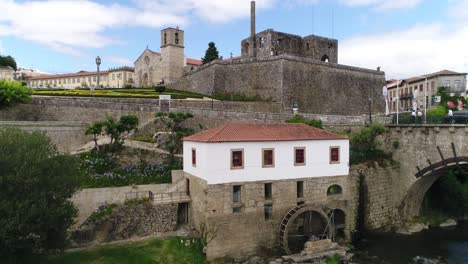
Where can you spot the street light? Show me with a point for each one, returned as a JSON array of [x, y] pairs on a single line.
[[98, 63]]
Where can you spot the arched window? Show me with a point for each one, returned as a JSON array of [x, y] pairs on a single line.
[[334, 190], [176, 38], [325, 58], [165, 38], [307, 45]]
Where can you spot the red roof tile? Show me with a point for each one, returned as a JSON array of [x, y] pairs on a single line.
[[236, 132], [194, 62]]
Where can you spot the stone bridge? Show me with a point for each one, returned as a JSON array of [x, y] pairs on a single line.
[[424, 153]]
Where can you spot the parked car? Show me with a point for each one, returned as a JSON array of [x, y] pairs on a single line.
[[459, 117]]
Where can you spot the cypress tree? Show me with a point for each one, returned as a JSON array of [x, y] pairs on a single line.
[[211, 53]]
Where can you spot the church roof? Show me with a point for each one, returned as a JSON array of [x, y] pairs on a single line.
[[191, 61], [238, 132]]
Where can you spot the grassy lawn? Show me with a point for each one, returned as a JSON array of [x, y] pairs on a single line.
[[164, 251], [120, 93]]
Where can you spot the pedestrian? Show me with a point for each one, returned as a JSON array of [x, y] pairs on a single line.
[[414, 115], [450, 115], [419, 116]]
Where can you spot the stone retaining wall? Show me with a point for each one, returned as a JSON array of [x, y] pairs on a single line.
[[88, 200]]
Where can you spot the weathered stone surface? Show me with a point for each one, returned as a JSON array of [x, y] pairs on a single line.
[[127, 221]]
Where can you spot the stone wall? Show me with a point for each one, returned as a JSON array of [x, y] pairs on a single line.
[[379, 204], [318, 87], [248, 233], [67, 136], [88, 200], [127, 221]]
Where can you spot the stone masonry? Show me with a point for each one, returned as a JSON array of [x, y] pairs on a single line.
[[247, 232]]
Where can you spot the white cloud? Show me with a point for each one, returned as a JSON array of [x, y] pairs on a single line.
[[67, 26], [383, 4], [414, 51], [118, 60]]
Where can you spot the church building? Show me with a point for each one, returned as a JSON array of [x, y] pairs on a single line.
[[169, 65]]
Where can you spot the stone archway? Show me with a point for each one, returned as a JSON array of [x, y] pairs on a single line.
[[412, 202]]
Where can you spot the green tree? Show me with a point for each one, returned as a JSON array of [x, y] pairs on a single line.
[[113, 128], [8, 61], [302, 120], [13, 92], [36, 183], [174, 124], [211, 53], [364, 145], [95, 129]]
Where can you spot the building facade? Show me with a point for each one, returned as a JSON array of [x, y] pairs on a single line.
[[113, 78], [244, 179], [412, 91], [169, 65], [6, 73]]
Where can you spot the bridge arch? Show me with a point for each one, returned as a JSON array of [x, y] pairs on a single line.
[[426, 177]]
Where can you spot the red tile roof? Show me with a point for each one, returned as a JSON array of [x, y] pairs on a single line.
[[392, 83], [194, 62], [233, 59], [236, 132]]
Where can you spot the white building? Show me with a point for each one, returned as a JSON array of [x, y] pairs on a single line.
[[6, 73], [266, 152]]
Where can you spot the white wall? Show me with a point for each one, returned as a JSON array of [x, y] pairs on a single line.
[[214, 165]]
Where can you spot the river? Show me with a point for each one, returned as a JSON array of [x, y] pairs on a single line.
[[450, 244]]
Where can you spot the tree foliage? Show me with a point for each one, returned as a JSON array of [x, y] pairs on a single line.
[[113, 128], [173, 122], [445, 98], [211, 53], [364, 145], [8, 61], [13, 92], [36, 183], [302, 120]]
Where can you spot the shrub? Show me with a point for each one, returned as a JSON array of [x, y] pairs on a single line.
[[302, 120], [128, 86], [364, 146], [12, 92], [36, 184], [160, 89]]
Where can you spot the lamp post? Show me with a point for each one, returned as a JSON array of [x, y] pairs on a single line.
[[98, 63]]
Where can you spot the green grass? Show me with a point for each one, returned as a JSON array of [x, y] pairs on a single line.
[[118, 93], [163, 251]]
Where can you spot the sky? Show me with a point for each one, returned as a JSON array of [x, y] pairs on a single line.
[[404, 37]]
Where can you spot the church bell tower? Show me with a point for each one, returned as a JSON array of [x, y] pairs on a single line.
[[172, 53]]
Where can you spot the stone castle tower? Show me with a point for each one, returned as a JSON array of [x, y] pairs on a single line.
[[172, 53]]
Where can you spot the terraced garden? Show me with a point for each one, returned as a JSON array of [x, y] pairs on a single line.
[[119, 93]]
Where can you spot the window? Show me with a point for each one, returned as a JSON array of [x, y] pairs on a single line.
[[334, 155], [300, 189], [299, 156], [268, 208], [176, 38], [457, 83], [268, 191], [94, 78], [194, 157], [236, 199], [113, 76], [420, 87], [268, 158], [334, 190], [307, 46], [165, 38], [237, 159], [447, 83]]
